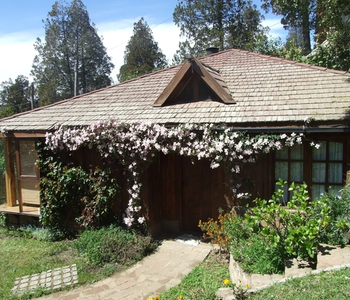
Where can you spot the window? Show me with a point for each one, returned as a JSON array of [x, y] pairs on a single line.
[[327, 168], [318, 168], [290, 167], [28, 174]]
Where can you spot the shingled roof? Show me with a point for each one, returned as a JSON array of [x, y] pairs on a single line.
[[267, 91]]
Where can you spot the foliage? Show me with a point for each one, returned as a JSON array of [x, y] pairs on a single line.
[[227, 232], [3, 220], [135, 144], [253, 251], [297, 14], [114, 245], [256, 255], [222, 24], [334, 53], [69, 192], [15, 96], [295, 229], [202, 282], [71, 44], [338, 230], [142, 54], [25, 251], [325, 285]]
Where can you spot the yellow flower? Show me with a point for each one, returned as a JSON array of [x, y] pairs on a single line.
[[157, 298], [181, 298], [239, 281], [226, 281], [248, 286], [149, 298]]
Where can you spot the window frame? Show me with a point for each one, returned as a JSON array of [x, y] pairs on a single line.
[[308, 163]]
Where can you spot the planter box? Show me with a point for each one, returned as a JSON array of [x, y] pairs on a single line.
[[256, 281]]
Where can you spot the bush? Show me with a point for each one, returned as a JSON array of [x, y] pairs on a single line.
[[3, 220], [337, 231], [296, 229], [252, 250], [38, 233], [257, 256], [70, 193], [227, 231], [114, 245]]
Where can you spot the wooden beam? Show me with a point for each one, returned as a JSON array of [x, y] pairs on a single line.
[[9, 174], [39, 134], [173, 84], [211, 82]]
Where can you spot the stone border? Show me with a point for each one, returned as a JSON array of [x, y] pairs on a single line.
[[258, 282]]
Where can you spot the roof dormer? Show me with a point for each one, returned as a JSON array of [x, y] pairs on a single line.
[[195, 82]]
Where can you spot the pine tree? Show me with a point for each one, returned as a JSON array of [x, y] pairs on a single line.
[[72, 49], [142, 54], [296, 13], [219, 23], [15, 96]]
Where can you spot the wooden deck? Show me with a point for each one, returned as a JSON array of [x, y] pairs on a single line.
[[27, 210]]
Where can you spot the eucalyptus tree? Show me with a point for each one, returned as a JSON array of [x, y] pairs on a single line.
[[72, 59], [142, 54]]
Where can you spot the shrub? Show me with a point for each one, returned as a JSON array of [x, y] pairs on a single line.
[[296, 229], [226, 232], [337, 231], [70, 193], [38, 233], [252, 250], [256, 255], [114, 244], [3, 220]]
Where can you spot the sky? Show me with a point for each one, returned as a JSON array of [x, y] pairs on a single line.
[[21, 23]]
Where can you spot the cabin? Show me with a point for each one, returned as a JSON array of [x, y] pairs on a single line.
[[232, 90]]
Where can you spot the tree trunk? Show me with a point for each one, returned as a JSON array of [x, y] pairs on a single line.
[[306, 32]]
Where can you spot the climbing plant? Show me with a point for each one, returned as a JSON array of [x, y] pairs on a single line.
[[135, 144]]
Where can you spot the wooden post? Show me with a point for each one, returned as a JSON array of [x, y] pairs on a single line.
[[9, 174]]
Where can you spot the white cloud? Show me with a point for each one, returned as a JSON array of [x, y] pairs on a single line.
[[276, 28], [116, 36], [17, 50], [17, 54]]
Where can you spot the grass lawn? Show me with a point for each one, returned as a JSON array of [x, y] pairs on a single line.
[[207, 278], [204, 280], [327, 285], [22, 256]]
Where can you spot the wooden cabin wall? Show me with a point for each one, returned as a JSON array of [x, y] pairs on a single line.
[[177, 193]]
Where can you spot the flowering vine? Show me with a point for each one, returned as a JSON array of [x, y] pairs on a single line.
[[134, 144]]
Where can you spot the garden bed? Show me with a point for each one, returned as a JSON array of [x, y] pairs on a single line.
[[293, 267]]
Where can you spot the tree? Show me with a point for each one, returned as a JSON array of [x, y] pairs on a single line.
[[71, 53], [219, 23], [297, 14], [332, 16], [142, 54], [15, 96]]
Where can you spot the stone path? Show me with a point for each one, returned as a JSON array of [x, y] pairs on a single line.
[[51, 279], [148, 278], [157, 273]]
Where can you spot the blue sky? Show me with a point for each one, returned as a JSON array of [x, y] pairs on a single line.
[[21, 23]]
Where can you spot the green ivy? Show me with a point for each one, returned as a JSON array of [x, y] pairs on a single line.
[[73, 196]]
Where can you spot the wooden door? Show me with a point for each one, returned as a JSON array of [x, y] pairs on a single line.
[[202, 193]]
